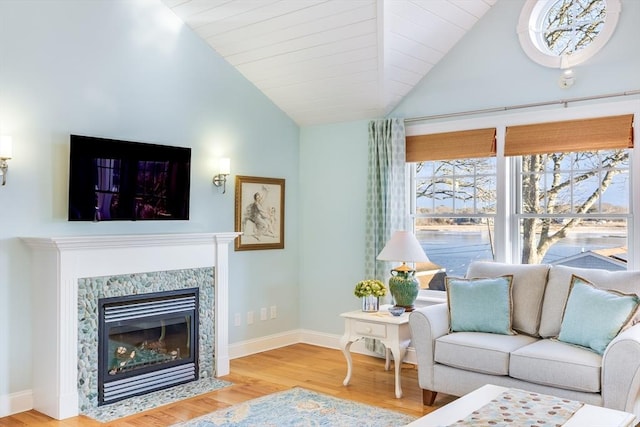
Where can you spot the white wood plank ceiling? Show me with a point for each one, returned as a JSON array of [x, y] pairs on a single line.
[[327, 61]]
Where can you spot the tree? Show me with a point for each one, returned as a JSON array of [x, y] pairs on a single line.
[[459, 180], [565, 185], [538, 197], [572, 25]]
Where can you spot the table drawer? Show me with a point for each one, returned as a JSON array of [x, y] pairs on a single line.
[[371, 329]]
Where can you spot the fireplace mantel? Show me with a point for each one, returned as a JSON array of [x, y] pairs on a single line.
[[58, 263]]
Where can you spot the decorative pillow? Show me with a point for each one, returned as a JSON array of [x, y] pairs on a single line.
[[528, 289], [593, 317], [558, 286], [480, 305]]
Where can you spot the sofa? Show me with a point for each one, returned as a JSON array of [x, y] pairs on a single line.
[[536, 353]]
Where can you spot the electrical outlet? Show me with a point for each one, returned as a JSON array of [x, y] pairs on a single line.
[[263, 313], [249, 317], [238, 319], [274, 312]]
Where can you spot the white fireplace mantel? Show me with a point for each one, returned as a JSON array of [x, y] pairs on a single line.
[[58, 263]]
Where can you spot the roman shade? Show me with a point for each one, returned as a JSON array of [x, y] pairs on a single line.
[[452, 145], [603, 133]]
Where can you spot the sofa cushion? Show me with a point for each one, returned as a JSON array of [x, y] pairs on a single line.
[[529, 282], [554, 363], [593, 317], [555, 297], [480, 305], [478, 351]]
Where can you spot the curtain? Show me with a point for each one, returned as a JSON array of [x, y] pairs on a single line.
[[386, 199]]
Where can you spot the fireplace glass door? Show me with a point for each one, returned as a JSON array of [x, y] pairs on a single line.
[[146, 343]]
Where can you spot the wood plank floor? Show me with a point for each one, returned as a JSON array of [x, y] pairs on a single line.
[[314, 368]]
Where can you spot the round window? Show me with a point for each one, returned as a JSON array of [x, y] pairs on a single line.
[[564, 33]]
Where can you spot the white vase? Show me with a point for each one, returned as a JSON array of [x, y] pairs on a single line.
[[370, 303]]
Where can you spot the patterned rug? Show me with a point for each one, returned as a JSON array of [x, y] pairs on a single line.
[[299, 407]]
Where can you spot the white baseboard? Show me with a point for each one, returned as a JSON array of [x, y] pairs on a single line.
[[270, 342], [258, 345], [15, 402]]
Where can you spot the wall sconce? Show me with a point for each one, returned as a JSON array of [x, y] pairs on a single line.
[[224, 169], [567, 78], [5, 154]]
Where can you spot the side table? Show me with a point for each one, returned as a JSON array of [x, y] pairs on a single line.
[[392, 331]]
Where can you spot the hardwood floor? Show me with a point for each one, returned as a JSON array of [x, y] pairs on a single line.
[[314, 368]]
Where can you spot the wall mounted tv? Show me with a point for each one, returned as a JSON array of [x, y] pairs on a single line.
[[111, 180]]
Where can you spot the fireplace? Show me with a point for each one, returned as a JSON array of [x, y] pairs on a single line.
[[63, 382], [146, 343]]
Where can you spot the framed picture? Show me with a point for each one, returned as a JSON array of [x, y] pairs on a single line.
[[259, 213]]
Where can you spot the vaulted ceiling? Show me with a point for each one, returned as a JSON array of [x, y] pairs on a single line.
[[326, 61]]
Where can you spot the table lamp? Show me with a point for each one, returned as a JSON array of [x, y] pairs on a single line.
[[403, 285]]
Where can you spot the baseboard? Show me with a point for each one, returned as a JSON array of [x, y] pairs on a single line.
[[15, 402], [270, 342], [258, 345]]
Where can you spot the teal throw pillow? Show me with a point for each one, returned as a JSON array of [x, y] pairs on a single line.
[[593, 317], [480, 305]]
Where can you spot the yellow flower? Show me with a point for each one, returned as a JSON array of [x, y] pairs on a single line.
[[370, 287]]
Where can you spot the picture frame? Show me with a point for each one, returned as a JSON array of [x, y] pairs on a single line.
[[259, 213]]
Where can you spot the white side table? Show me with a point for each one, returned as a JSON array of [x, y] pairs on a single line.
[[392, 331]]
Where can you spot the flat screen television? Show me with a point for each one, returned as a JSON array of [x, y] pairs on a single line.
[[112, 180]]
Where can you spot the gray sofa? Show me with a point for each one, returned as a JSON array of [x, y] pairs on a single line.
[[456, 363]]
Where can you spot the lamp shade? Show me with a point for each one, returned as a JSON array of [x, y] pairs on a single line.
[[5, 147], [403, 247], [225, 166]]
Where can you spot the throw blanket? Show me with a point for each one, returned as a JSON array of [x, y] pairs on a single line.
[[522, 408]]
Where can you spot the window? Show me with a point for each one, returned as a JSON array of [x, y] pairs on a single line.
[[455, 197], [559, 193], [573, 30], [454, 210], [573, 208]]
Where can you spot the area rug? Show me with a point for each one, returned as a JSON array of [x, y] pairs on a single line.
[[299, 407], [138, 404]]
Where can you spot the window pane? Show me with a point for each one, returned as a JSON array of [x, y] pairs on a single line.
[[575, 182], [558, 196], [616, 199], [465, 192], [464, 186], [584, 190], [455, 208], [596, 243], [570, 26], [572, 205], [453, 243]]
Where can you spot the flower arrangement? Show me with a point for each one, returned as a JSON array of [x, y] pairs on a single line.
[[370, 287]]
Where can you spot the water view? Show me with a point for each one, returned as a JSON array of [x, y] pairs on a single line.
[[454, 250]]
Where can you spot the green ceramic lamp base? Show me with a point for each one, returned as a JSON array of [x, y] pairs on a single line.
[[404, 286]]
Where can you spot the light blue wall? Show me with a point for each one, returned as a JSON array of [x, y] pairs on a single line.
[[117, 69], [333, 179], [489, 69], [486, 69]]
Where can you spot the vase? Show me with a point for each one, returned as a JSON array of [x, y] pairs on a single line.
[[404, 288], [370, 303]]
